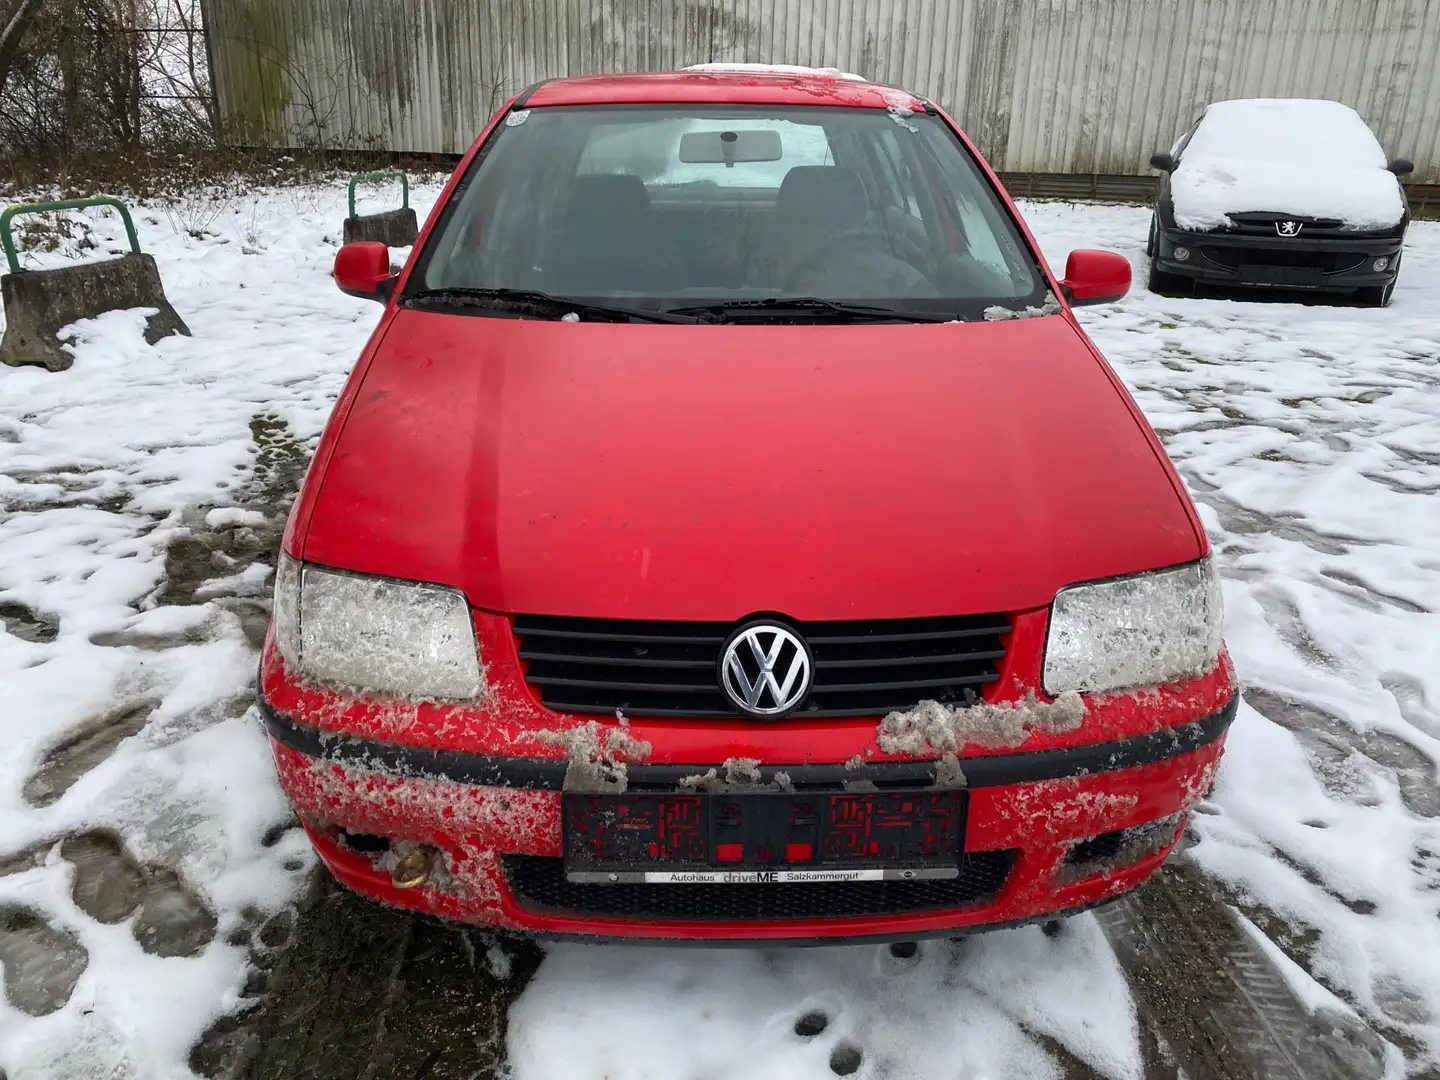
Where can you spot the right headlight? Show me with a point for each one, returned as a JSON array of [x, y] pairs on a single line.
[[1134, 631], [404, 638]]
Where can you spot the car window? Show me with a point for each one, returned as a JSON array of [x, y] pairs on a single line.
[[1184, 140], [607, 202]]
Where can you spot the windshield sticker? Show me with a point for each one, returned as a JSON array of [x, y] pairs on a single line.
[[516, 118]]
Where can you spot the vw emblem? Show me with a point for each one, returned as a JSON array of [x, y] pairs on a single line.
[[765, 669], [1288, 228]]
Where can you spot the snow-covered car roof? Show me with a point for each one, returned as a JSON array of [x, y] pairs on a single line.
[[778, 69], [1294, 156]]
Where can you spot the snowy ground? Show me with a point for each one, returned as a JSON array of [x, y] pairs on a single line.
[[141, 494]]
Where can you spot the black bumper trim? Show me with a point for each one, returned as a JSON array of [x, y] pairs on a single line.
[[547, 775]]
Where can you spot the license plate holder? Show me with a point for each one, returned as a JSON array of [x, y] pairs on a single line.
[[766, 837], [1281, 275]]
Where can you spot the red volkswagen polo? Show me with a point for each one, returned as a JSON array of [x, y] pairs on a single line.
[[728, 533]]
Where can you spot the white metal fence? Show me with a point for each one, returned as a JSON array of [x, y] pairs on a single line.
[[1059, 86]]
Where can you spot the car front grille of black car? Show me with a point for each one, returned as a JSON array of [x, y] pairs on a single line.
[[1263, 223], [1326, 262], [672, 668], [539, 885]]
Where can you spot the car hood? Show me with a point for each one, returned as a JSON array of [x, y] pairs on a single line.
[[1204, 191], [708, 472]]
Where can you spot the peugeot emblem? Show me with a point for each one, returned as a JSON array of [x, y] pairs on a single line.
[[765, 669], [1288, 228]]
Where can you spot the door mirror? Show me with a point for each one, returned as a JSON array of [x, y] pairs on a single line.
[[1095, 277], [1163, 161], [363, 269], [1401, 166]]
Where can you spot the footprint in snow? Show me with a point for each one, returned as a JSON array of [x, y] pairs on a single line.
[[845, 1059], [19, 621], [1334, 745], [42, 962], [110, 886], [84, 748], [811, 1024]]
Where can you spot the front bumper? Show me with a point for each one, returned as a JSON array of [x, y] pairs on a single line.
[[1031, 833], [1250, 260]]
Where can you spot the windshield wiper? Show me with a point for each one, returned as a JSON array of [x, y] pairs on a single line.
[[726, 310], [529, 301]]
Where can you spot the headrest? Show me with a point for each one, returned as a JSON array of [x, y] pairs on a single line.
[[822, 193]]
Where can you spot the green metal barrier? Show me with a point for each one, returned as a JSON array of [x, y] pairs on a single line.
[[12, 257], [404, 186]]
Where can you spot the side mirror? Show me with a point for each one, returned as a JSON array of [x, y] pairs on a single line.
[[363, 269], [1401, 166], [1095, 277], [1163, 161]]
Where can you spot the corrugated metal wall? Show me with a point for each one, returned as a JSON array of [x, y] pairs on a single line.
[[1087, 86]]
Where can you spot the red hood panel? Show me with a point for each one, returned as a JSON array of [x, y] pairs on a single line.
[[681, 472]]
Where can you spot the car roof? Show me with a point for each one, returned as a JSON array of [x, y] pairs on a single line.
[[718, 86]]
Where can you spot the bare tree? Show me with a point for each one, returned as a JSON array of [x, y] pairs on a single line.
[[13, 33]]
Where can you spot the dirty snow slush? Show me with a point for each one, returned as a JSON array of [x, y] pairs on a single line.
[[160, 913]]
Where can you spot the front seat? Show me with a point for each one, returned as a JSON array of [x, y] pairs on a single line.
[[825, 243], [606, 242]]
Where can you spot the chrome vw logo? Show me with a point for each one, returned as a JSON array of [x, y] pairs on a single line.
[[1288, 228], [765, 669]]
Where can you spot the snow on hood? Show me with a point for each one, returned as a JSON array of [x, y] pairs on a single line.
[[1290, 156]]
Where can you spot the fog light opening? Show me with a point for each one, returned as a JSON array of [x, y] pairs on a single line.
[[1181, 254], [365, 843], [1108, 852], [1380, 264]]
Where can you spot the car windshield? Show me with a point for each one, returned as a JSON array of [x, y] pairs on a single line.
[[731, 209]]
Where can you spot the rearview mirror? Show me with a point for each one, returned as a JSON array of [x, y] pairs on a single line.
[[363, 269], [1163, 161], [1095, 277], [714, 147], [1401, 166]]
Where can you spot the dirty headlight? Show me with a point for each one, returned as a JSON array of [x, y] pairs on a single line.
[[377, 634], [1134, 631]]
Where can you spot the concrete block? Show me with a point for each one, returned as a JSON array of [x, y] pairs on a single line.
[[393, 228], [38, 303]]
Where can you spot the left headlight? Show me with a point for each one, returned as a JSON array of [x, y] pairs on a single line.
[[371, 633], [1134, 631]]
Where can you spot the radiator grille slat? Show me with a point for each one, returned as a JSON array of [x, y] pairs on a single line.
[[672, 669]]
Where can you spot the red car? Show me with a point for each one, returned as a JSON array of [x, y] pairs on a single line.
[[728, 533]]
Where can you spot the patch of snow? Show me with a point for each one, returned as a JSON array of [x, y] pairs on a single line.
[[957, 1009], [597, 755], [1295, 156], [224, 516], [931, 728], [736, 774], [777, 69], [1000, 313], [901, 106]]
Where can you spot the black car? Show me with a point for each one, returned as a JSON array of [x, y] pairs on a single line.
[[1279, 193]]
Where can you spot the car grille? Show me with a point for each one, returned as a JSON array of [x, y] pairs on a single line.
[[671, 669], [1327, 262], [539, 885], [1264, 223]]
